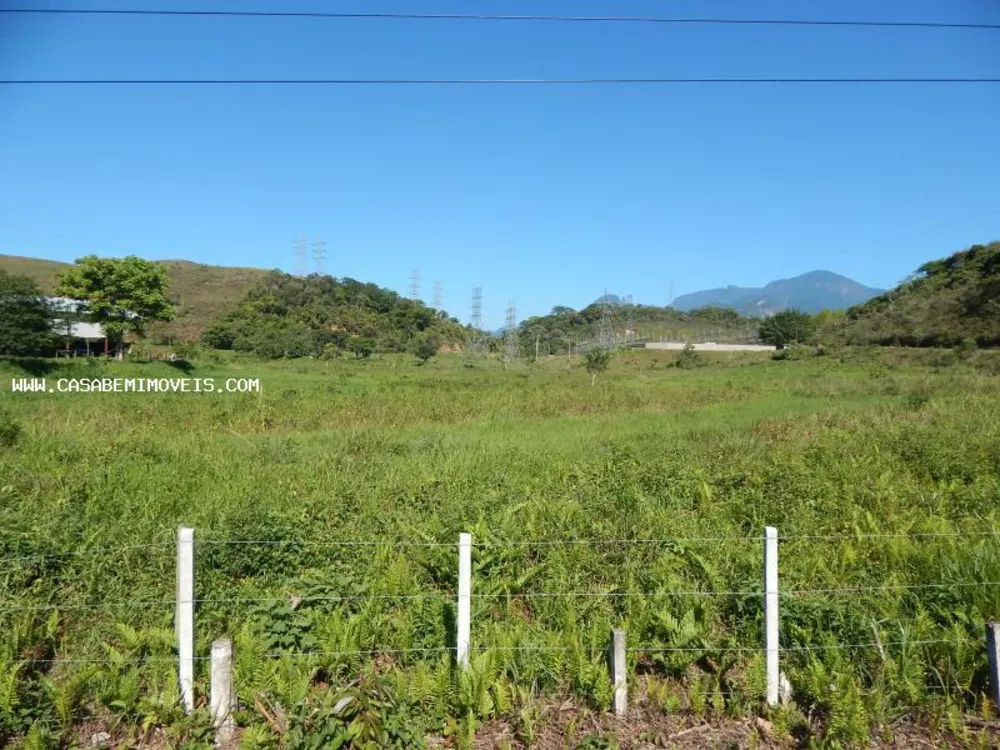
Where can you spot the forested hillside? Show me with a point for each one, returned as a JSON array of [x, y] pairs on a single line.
[[944, 303], [291, 316]]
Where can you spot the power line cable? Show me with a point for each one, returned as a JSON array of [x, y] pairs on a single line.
[[478, 81], [503, 17]]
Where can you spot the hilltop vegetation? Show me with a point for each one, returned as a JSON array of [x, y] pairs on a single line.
[[291, 316], [944, 303]]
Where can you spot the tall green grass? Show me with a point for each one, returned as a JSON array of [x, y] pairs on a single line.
[[869, 452]]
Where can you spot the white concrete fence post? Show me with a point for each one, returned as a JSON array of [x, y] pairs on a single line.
[[464, 619], [993, 660], [184, 620], [771, 615], [619, 672], [222, 699]]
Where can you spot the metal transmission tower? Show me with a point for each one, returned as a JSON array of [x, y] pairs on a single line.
[[476, 321], [319, 256], [605, 338], [300, 256], [670, 295], [629, 319], [415, 285], [477, 308], [511, 348], [437, 295]]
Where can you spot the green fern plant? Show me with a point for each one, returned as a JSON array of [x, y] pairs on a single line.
[[257, 737], [68, 694], [474, 683]]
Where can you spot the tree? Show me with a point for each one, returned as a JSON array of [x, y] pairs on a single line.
[[556, 335], [829, 323], [121, 294], [426, 348], [362, 346], [538, 332], [25, 317], [596, 361], [786, 327]]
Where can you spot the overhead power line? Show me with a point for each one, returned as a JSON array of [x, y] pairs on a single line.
[[475, 81], [501, 17]]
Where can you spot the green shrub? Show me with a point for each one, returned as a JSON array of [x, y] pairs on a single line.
[[362, 346], [426, 348], [596, 361], [367, 715], [10, 430], [689, 358], [187, 351], [966, 348]]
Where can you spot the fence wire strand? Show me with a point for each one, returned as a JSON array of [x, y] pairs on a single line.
[[491, 543], [403, 543], [109, 552], [296, 600]]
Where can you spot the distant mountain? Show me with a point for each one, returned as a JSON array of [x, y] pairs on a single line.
[[810, 292], [610, 299]]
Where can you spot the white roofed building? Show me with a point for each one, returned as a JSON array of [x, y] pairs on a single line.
[[79, 336]]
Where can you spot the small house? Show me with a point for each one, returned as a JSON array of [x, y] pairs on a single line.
[[77, 336]]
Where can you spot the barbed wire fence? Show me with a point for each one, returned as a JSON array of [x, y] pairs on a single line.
[[223, 699]]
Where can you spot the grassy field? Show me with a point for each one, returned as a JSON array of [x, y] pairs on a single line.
[[852, 456]]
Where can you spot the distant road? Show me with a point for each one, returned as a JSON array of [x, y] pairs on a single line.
[[677, 346]]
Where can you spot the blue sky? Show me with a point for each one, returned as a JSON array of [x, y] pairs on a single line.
[[540, 195]]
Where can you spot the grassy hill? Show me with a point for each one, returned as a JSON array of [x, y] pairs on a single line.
[[43, 272], [943, 303], [200, 293]]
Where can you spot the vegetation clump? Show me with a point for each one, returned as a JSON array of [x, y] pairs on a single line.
[[288, 316], [26, 319], [426, 348], [787, 327], [596, 361], [10, 430], [689, 358]]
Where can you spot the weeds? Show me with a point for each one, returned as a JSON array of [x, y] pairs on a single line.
[[10, 430], [337, 452]]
